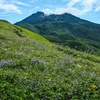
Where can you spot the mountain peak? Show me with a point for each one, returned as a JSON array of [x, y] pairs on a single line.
[[40, 13], [64, 27]]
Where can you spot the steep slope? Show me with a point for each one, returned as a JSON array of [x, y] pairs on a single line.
[[31, 68], [9, 31], [61, 28]]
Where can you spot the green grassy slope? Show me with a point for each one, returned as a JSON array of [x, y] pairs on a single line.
[[31, 69], [8, 31], [65, 27]]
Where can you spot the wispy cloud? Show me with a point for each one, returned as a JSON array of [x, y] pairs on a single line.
[[11, 6], [97, 9], [97, 6], [84, 6], [72, 3], [48, 11], [6, 7], [87, 5], [73, 11], [21, 3]]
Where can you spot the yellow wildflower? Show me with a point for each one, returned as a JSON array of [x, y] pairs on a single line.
[[70, 61], [94, 86]]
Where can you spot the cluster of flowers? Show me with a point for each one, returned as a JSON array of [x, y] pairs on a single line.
[[6, 62], [35, 61]]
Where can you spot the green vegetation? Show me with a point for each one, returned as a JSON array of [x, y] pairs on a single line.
[[31, 68], [61, 28], [8, 31]]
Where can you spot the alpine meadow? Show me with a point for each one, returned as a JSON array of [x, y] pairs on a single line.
[[50, 57]]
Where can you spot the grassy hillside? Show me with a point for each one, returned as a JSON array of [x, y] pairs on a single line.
[[65, 27], [8, 31], [32, 68]]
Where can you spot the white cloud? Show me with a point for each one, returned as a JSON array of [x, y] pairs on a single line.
[[10, 8], [87, 5], [73, 11], [97, 9], [21, 3], [6, 7], [84, 6], [48, 11], [72, 3]]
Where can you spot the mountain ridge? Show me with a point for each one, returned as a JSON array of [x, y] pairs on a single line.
[[62, 28]]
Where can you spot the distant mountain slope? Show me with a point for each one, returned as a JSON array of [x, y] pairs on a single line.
[[9, 31], [61, 28]]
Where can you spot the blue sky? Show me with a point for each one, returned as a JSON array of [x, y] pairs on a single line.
[[16, 10]]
